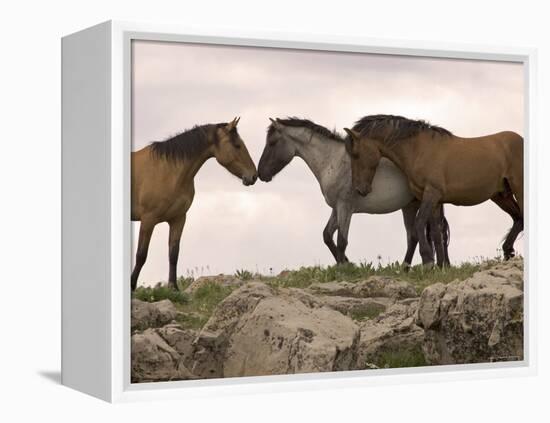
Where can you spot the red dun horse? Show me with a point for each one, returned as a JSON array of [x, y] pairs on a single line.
[[163, 187], [441, 168]]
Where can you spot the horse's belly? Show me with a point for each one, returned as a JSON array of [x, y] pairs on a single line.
[[471, 193], [390, 191], [468, 198]]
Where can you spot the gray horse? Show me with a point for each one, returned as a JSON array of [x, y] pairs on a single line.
[[325, 154]]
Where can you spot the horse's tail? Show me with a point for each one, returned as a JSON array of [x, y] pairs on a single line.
[[445, 229]]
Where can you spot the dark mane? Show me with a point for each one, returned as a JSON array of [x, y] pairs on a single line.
[[187, 144], [306, 123], [390, 128]]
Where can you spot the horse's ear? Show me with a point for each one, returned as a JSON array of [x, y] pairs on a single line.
[[275, 123], [233, 124], [354, 135]]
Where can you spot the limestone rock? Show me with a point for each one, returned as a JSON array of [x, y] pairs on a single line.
[[476, 320], [181, 340], [222, 280], [370, 307], [146, 315], [261, 331], [375, 286], [154, 360], [341, 289], [391, 333]]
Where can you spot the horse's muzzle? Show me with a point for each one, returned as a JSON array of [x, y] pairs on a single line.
[[265, 178], [250, 180], [264, 175], [363, 191]]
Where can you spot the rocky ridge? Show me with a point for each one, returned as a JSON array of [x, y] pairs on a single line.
[[378, 322]]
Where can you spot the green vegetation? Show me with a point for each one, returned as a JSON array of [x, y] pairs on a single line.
[[201, 305], [406, 358], [208, 296], [196, 307], [183, 283], [244, 275], [158, 293], [417, 275], [191, 321], [365, 314]]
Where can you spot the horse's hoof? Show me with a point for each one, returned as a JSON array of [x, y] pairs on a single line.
[[406, 267], [509, 255], [429, 265]]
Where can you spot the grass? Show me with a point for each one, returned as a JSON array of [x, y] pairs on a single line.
[[183, 282], [244, 275], [195, 308], [201, 305], [417, 275], [191, 321], [158, 293], [366, 314], [406, 358]]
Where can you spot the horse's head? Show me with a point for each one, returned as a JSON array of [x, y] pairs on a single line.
[[278, 151], [365, 157], [231, 153]]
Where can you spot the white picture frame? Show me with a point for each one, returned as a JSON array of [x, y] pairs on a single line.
[[96, 232]]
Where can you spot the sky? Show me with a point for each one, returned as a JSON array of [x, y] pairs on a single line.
[[273, 226]]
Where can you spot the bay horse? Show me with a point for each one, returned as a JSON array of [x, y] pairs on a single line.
[[324, 153], [163, 181], [441, 168]]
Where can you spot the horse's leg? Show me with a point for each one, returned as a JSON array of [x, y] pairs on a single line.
[[436, 233], [145, 231], [176, 228], [507, 203], [516, 185], [446, 235], [328, 234], [409, 216], [429, 200], [344, 219]]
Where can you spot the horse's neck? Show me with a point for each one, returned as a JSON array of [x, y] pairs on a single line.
[[188, 168], [323, 157], [401, 154]]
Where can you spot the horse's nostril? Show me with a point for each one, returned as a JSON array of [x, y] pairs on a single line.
[[263, 176], [249, 180]]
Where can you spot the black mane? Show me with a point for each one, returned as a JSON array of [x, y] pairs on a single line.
[[306, 123], [393, 128], [187, 144]]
